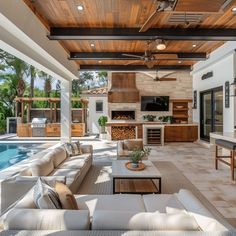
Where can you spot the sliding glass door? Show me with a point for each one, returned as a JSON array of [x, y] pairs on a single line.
[[211, 112]]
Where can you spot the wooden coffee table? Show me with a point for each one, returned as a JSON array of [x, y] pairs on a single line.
[[136, 182]]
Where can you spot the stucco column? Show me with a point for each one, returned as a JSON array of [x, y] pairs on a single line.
[[65, 111]]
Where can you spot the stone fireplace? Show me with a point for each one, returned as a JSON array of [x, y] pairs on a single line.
[[122, 115]]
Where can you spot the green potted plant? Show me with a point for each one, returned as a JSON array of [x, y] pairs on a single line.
[[167, 119], [102, 123], [137, 155], [149, 117]]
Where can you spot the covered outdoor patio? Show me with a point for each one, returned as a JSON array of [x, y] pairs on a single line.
[[150, 167]]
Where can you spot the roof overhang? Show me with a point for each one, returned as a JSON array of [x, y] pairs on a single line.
[[28, 41]]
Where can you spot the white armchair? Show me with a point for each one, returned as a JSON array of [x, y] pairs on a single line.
[[127, 146]]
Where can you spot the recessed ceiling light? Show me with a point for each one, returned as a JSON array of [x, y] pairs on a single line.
[[80, 7], [99, 61], [92, 45], [194, 45], [179, 62], [233, 9]]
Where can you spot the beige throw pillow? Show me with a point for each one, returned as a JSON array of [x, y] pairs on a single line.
[[66, 197]]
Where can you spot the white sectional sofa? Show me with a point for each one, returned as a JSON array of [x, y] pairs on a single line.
[[54, 165], [58, 164], [167, 212]]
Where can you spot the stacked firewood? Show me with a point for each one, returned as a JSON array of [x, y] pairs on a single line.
[[121, 132]]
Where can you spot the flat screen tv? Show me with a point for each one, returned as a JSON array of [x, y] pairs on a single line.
[[155, 103]]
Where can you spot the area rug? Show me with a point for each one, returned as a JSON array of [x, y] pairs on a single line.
[[99, 181]]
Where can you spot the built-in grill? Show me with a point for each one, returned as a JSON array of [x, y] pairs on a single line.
[[38, 126]]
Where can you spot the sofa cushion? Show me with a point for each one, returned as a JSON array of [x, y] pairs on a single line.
[[128, 220], [73, 148], [27, 201], [58, 155], [66, 197], [45, 197], [85, 157], [132, 144], [203, 217], [72, 164], [42, 219], [174, 205], [69, 173], [156, 202], [42, 167], [118, 202]]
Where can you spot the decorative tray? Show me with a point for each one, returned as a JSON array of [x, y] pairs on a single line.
[[140, 167]]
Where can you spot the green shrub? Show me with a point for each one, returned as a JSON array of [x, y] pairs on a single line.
[[102, 121], [3, 126]]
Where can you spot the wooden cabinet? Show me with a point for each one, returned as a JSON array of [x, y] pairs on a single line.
[[53, 130], [24, 130], [188, 133], [78, 130]]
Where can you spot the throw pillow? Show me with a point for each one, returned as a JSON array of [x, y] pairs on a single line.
[[45, 196], [66, 197], [73, 148]]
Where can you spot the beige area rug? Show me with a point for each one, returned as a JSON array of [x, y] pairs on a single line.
[[98, 181]]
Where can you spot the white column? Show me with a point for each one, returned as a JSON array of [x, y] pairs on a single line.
[[65, 111]]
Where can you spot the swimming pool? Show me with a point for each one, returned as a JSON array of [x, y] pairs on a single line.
[[12, 153]]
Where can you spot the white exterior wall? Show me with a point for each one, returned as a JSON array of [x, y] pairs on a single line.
[[94, 116], [222, 63]]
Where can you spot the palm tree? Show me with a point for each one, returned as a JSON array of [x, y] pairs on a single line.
[[102, 78], [47, 87], [33, 74], [14, 69], [47, 82]]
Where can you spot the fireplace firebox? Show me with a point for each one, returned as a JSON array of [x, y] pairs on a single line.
[[123, 115]]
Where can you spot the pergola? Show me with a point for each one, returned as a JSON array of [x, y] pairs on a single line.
[[52, 104]]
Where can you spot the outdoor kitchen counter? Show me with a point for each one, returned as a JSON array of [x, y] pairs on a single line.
[[119, 130], [134, 123], [51, 130]]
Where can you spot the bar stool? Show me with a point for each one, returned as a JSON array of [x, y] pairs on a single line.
[[229, 146]]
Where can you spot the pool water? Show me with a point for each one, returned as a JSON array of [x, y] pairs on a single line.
[[13, 153]]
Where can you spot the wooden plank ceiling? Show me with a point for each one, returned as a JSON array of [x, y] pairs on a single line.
[[132, 14]]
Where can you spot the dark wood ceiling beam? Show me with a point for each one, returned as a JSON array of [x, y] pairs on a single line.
[[120, 56], [68, 33], [132, 67]]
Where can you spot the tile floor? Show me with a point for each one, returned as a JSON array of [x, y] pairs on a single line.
[[196, 162]]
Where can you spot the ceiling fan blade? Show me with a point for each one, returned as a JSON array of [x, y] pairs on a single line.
[[132, 62], [165, 76], [132, 55], [150, 21], [167, 79]]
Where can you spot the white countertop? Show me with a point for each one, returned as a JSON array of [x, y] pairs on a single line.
[[109, 123], [229, 136]]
